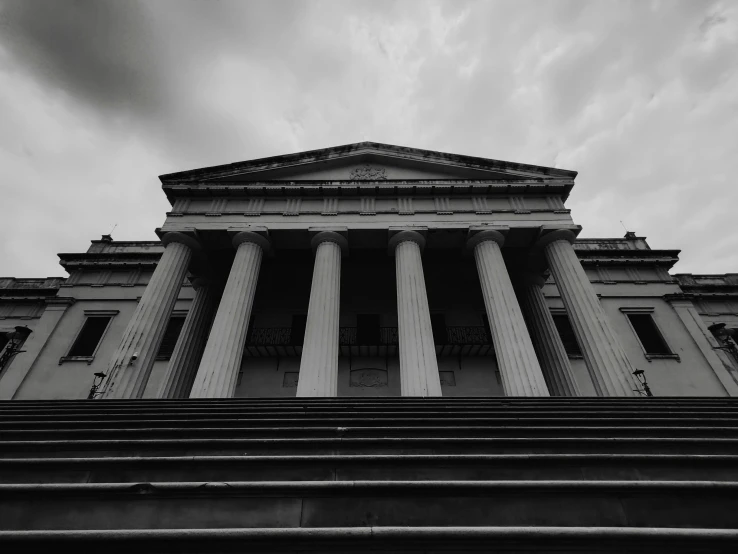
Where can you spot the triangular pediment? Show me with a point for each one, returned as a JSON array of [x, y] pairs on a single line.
[[369, 161]]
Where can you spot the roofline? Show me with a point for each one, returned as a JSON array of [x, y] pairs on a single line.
[[338, 151]]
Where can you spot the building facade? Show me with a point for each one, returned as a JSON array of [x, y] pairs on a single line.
[[369, 270]]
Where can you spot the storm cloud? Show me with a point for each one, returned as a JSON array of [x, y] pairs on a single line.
[[98, 98]]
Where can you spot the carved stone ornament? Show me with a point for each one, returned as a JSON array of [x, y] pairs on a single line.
[[368, 173], [368, 378]]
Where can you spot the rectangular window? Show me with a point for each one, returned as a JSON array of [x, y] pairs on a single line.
[[89, 336], [566, 332], [174, 328], [367, 329], [649, 335], [438, 325]]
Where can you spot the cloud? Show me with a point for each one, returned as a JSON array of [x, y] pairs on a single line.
[[98, 98]]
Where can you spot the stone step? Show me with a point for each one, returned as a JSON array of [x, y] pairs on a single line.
[[702, 504], [368, 446], [329, 419], [388, 540], [366, 467], [370, 431]]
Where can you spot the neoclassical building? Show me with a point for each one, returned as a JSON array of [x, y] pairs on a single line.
[[369, 270], [369, 348]]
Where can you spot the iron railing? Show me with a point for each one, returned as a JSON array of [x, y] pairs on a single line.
[[350, 336]]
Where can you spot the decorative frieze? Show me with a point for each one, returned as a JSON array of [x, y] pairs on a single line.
[[293, 206], [405, 206], [217, 206], [330, 206], [368, 205], [443, 205], [254, 206], [480, 205], [517, 203]]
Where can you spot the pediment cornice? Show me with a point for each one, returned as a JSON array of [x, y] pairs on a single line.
[[373, 157]]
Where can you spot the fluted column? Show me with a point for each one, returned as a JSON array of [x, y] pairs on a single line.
[[546, 339], [607, 363], [319, 362], [132, 362], [418, 365], [516, 358], [183, 364], [218, 372]]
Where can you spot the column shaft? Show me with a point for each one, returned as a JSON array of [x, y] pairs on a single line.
[[319, 362], [546, 339], [516, 358], [607, 363], [183, 364], [218, 372], [131, 365], [418, 365]]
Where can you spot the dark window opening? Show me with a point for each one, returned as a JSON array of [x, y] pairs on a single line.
[[487, 329], [648, 334], [299, 323], [438, 325], [566, 332], [367, 329], [89, 337], [174, 328], [4, 339]]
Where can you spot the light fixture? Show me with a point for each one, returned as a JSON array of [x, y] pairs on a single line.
[[641, 376], [15, 341], [96, 382]]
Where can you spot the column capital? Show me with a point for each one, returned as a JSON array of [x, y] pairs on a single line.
[[479, 235], [174, 236], [406, 235], [551, 234], [329, 235], [250, 236]]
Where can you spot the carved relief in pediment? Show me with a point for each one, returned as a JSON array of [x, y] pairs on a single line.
[[368, 172], [368, 378]]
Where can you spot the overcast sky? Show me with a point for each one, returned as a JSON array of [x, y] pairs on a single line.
[[98, 98]]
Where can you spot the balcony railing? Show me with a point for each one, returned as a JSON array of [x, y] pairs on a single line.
[[350, 336]]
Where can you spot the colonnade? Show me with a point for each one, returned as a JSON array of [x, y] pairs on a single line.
[[530, 356]]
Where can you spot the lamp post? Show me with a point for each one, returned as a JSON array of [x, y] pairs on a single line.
[[641, 376]]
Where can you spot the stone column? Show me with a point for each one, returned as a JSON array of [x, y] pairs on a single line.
[[218, 372], [319, 362], [516, 358], [418, 365], [546, 339], [180, 374], [607, 363], [131, 365]]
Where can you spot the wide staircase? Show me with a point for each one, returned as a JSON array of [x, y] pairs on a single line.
[[370, 474]]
